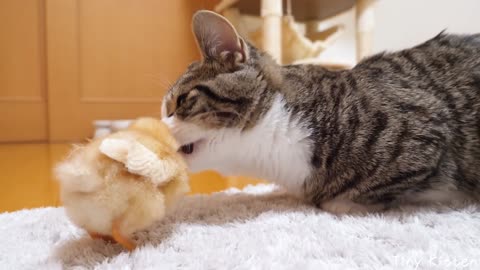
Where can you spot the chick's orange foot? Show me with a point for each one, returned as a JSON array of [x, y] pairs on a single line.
[[116, 237], [120, 238], [106, 238]]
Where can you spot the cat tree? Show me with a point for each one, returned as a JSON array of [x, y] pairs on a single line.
[[280, 34]]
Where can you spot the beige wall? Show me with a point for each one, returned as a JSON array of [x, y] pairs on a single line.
[[404, 23]]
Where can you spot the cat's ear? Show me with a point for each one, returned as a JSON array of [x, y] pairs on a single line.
[[217, 38]]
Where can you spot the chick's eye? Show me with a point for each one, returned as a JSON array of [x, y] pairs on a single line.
[[181, 99]]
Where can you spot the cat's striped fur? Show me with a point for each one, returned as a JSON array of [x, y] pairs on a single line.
[[401, 126]]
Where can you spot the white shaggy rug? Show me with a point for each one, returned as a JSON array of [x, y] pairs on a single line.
[[258, 228]]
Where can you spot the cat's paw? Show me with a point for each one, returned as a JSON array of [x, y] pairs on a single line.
[[116, 149], [137, 158], [347, 207]]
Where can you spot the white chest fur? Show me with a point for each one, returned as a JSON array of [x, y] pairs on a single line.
[[278, 149]]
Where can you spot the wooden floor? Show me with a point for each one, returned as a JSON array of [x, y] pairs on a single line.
[[27, 181]]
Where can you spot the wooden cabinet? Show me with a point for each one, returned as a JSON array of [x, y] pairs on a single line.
[[66, 63]]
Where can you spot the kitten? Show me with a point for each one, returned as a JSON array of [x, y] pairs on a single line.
[[398, 127]]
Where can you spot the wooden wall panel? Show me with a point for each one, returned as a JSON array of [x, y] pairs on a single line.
[[23, 102], [113, 59], [129, 53]]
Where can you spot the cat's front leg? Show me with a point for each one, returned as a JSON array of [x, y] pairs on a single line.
[[345, 206], [139, 160]]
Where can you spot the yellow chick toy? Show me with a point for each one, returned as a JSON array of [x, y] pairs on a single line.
[[124, 182]]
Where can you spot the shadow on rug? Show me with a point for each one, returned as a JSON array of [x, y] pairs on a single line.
[[258, 228]]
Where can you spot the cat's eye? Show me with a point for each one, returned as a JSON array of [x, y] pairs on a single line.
[[181, 99]]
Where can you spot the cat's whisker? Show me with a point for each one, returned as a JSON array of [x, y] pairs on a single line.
[[161, 80]]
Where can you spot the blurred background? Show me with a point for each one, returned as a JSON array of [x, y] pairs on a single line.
[[70, 69]]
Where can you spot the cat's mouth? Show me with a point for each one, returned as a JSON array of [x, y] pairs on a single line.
[[187, 148]]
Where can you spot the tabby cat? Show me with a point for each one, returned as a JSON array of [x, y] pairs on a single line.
[[399, 127]]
